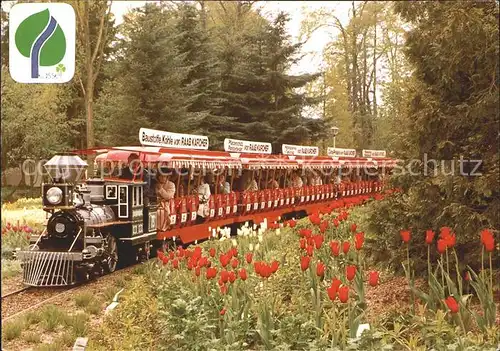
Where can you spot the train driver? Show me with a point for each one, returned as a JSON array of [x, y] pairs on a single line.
[[165, 191]]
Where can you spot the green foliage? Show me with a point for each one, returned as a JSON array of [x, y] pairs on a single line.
[[51, 317], [83, 299], [449, 109], [12, 329]]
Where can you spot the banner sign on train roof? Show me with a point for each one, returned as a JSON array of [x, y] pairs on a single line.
[[151, 137], [249, 147], [374, 153], [339, 152], [298, 150]]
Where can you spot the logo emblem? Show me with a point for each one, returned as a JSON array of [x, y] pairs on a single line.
[[42, 42]]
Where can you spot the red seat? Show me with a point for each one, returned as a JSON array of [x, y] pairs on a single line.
[[262, 199], [192, 203], [293, 196], [281, 198], [182, 212], [254, 196], [173, 213], [219, 206], [246, 204], [287, 196], [234, 197], [211, 206]]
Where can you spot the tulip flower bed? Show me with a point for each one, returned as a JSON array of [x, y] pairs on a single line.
[[298, 285], [19, 220]]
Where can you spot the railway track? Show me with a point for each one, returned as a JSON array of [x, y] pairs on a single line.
[[27, 299], [15, 292]]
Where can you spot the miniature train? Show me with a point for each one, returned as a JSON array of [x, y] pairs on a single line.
[[118, 217]]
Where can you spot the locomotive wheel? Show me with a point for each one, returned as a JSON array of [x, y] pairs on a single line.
[[112, 254]]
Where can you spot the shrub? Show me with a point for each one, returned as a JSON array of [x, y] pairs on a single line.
[[83, 299], [32, 337], [12, 329], [51, 317]]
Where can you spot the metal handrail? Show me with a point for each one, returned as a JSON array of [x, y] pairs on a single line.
[[74, 241], [38, 240]]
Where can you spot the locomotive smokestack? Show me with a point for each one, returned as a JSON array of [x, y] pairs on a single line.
[[66, 168]]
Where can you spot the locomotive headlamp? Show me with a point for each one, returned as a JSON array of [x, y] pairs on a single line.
[[54, 195], [60, 227]]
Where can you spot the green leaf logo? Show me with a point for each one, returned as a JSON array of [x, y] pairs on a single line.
[[40, 38]]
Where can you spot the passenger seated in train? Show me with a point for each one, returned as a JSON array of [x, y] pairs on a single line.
[[251, 184], [165, 191], [204, 193], [316, 179], [296, 180], [272, 183], [224, 187]]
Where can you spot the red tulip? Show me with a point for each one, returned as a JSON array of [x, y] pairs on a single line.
[[165, 260], [332, 292], [318, 240], [171, 255], [452, 304], [211, 272], [224, 260], [324, 226], [333, 289], [243, 274], [303, 243], [224, 276], [488, 240], [350, 272], [223, 289], [373, 279], [429, 236], [292, 223], [249, 257], [466, 276], [234, 263], [314, 218], [336, 222], [175, 263], [405, 235], [306, 233], [223, 312], [444, 232], [197, 271], [231, 277], [353, 227], [320, 269], [257, 266], [310, 250], [344, 294], [345, 247], [212, 252], [442, 246], [334, 247], [359, 239], [304, 262]]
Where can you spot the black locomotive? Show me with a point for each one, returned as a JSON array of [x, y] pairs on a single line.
[[93, 225]]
